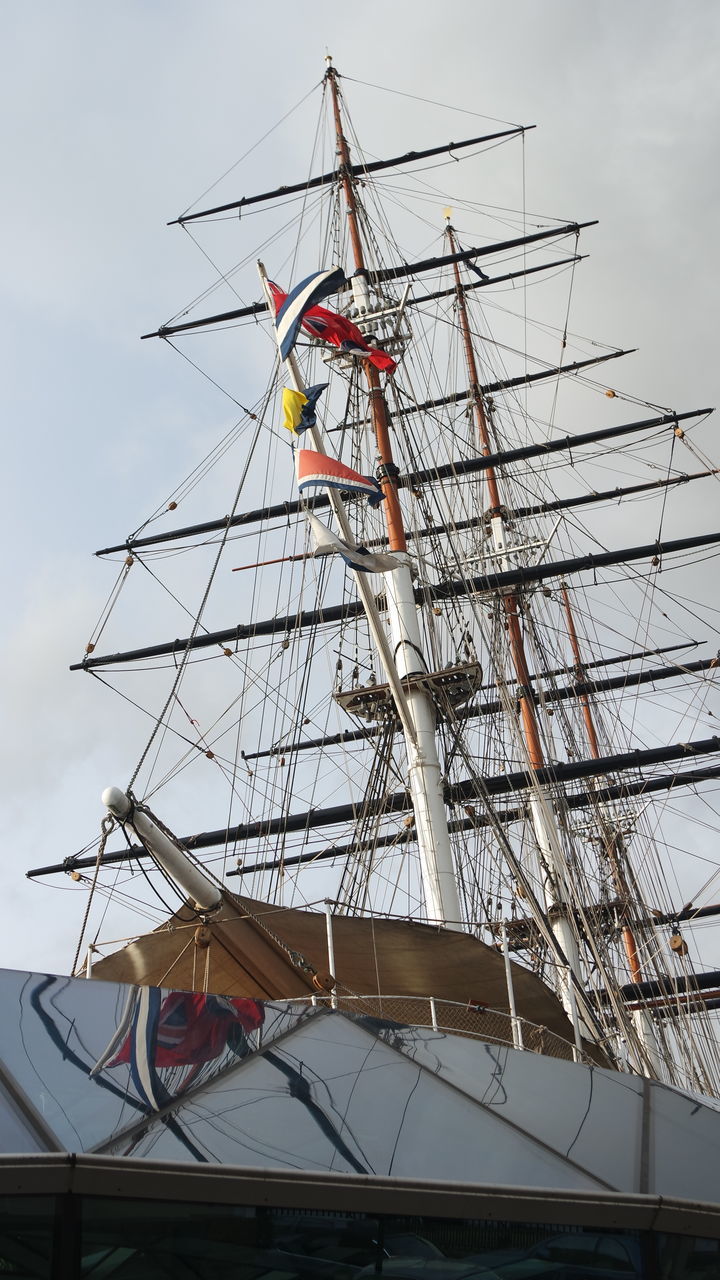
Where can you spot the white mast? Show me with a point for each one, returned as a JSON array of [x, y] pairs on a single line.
[[402, 656]]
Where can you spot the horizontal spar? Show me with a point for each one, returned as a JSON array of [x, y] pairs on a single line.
[[467, 466], [559, 504], [670, 986], [388, 273], [357, 170], [458, 793], [628, 681], [462, 466], [559, 568], [439, 591], [492, 388], [579, 800], [415, 300]]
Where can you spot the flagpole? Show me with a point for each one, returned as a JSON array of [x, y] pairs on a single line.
[[366, 595]]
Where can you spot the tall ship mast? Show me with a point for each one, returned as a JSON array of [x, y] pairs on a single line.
[[400, 920], [428, 746], [470, 773]]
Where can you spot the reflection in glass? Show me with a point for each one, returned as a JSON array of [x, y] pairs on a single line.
[[181, 1029], [44, 1237], [27, 1229]]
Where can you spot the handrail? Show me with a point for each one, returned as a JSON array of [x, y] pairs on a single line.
[[453, 1017]]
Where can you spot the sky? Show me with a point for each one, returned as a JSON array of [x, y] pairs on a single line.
[[118, 117]]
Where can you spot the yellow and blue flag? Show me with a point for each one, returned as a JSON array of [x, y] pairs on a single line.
[[299, 407]]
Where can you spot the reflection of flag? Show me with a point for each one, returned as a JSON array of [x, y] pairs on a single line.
[[185, 1029], [294, 305], [336, 329], [359, 558], [138, 1049], [317, 470], [299, 407]]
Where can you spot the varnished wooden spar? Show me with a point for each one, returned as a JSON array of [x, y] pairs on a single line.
[[440, 591], [357, 171], [459, 793], [387, 273], [282, 510]]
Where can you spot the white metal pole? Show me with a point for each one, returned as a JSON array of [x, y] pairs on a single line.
[[433, 1014], [414, 705], [330, 949], [200, 890], [577, 1052], [442, 900], [514, 1020]]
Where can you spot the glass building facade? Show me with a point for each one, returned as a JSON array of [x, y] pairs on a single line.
[[156, 1133], [69, 1235]]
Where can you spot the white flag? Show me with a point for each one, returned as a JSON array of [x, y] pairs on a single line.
[[328, 543]]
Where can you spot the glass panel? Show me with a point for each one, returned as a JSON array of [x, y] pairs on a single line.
[[27, 1225], [688, 1258], [16, 1131], [134, 1240], [138, 1240]]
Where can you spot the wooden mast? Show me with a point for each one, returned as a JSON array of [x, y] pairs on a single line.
[[387, 471], [613, 845], [541, 810], [495, 511]]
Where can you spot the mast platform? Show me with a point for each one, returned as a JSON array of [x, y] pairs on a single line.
[[449, 688]]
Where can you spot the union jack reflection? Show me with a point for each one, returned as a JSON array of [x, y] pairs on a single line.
[[178, 1030]]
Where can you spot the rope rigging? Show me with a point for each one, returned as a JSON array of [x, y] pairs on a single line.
[[269, 692]]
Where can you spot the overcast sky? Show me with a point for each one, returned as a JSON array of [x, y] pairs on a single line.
[[116, 117]]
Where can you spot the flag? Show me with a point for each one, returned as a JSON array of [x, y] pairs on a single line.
[[342, 333], [317, 470], [327, 542], [185, 1029], [299, 407], [138, 1049], [289, 313]]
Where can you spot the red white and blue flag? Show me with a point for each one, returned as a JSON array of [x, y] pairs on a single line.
[[289, 313], [182, 1029], [331, 327], [318, 471]]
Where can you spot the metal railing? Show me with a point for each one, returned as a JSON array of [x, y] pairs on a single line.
[[451, 1017]]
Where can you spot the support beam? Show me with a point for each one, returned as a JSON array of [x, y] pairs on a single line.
[[462, 466], [520, 577], [388, 273], [357, 170], [399, 802]]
